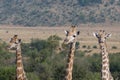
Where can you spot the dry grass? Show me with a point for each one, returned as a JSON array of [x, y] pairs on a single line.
[[85, 37]]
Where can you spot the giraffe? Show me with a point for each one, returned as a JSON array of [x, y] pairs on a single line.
[[70, 39], [16, 44], [105, 71]]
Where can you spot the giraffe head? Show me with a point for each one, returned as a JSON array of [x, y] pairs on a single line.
[[14, 42], [102, 36], [71, 35]]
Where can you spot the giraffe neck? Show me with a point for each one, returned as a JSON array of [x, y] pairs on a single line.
[[20, 74], [106, 75], [70, 62]]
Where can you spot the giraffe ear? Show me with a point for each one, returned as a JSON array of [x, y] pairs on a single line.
[[66, 32], [78, 32], [108, 35], [95, 34]]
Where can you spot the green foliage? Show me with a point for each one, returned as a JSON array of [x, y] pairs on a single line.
[[42, 63], [95, 47], [32, 76], [54, 38], [59, 73], [51, 42], [7, 68], [7, 73], [115, 65], [114, 47], [95, 61], [77, 45], [39, 44], [114, 62], [55, 13], [79, 53], [5, 56], [89, 2], [92, 76], [80, 68], [84, 46]]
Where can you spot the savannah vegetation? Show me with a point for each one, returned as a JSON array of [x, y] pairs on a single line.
[[57, 12], [42, 58], [43, 61]]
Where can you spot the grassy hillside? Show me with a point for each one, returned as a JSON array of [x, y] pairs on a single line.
[[58, 12]]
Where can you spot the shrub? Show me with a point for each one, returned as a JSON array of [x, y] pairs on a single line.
[[114, 47], [84, 46], [54, 38], [32, 76], [42, 64], [95, 47], [7, 73], [77, 45]]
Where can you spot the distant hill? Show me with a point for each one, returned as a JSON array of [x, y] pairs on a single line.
[[58, 12]]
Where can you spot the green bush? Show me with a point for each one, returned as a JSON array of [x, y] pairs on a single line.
[[32, 76], [42, 63], [95, 47], [54, 38], [95, 63], [7, 73], [77, 45], [114, 47], [84, 46]]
